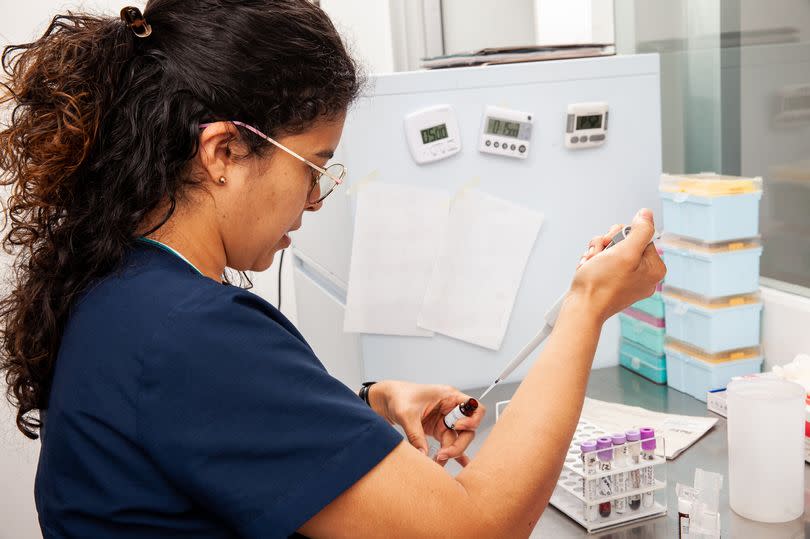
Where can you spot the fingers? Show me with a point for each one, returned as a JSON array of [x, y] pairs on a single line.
[[607, 238], [655, 265], [598, 244], [643, 230], [455, 449], [446, 439], [474, 421], [415, 433]]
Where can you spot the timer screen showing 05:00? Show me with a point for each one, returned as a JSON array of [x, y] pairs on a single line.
[[432, 134]]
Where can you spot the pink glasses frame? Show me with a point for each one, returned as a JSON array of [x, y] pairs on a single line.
[[321, 170]]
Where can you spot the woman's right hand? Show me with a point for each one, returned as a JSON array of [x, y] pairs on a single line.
[[610, 280]]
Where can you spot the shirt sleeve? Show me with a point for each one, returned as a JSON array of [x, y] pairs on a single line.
[[239, 414]]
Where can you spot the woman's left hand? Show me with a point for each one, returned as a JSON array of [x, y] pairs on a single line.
[[420, 409]]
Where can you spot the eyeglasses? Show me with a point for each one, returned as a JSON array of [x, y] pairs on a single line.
[[322, 185]]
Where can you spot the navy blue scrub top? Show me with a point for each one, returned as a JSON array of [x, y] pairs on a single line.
[[181, 407]]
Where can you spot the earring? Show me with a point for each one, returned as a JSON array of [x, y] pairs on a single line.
[[222, 180]]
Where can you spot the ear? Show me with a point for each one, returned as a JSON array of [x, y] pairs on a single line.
[[219, 143]]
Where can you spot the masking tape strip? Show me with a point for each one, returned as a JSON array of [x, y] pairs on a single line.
[[360, 184]]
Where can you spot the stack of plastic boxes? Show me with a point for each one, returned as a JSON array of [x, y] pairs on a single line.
[[642, 344], [711, 292]]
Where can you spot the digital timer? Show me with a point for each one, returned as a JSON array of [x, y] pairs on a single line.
[[586, 125], [506, 132], [432, 133]]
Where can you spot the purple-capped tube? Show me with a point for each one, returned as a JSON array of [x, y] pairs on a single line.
[[633, 438], [604, 448], [590, 466], [620, 455], [647, 473]]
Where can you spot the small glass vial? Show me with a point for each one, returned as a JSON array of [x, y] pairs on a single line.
[[604, 448], [620, 454], [647, 473], [465, 409]]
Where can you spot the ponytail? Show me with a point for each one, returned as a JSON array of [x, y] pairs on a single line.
[[59, 88]]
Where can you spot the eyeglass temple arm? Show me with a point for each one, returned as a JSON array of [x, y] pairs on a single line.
[[280, 146]]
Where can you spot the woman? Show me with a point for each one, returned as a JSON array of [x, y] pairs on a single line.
[[146, 156]]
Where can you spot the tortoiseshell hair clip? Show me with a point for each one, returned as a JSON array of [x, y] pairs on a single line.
[[134, 19]]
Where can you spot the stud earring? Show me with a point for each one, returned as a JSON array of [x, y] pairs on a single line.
[[222, 180]]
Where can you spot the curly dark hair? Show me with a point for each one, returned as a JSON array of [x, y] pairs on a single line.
[[102, 131]]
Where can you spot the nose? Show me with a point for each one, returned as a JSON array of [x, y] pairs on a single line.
[[314, 207]]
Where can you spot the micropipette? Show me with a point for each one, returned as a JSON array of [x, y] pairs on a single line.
[[551, 319]]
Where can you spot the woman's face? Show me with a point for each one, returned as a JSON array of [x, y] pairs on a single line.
[[267, 196]]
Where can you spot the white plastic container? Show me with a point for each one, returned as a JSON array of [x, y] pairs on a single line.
[[766, 449]]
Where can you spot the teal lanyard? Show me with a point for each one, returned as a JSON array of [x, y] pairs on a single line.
[[168, 249]]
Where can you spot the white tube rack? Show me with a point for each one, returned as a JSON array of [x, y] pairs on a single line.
[[569, 497]]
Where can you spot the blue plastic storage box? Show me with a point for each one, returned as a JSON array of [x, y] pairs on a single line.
[[649, 336], [642, 361], [653, 305], [712, 269], [713, 324], [696, 372], [710, 207]]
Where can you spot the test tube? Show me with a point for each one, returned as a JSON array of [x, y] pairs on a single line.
[[634, 476], [604, 446], [647, 474], [589, 486], [620, 455]]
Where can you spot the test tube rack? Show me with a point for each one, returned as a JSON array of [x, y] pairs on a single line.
[[570, 497]]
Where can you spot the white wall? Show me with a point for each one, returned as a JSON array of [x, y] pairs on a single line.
[[785, 326], [366, 27], [474, 24], [573, 21]]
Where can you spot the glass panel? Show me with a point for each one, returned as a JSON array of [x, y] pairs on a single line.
[[735, 91]]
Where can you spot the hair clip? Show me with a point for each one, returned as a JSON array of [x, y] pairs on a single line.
[[134, 19]]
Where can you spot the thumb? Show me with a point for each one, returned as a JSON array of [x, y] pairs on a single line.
[[416, 434], [642, 230]]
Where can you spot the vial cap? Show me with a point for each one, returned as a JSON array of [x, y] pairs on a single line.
[[618, 439], [467, 408], [632, 435], [587, 446], [605, 448], [647, 438]]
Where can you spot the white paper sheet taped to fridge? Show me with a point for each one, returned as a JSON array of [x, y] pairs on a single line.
[[398, 231], [479, 269]]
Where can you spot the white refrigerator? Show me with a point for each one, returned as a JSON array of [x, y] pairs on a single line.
[[581, 191]]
